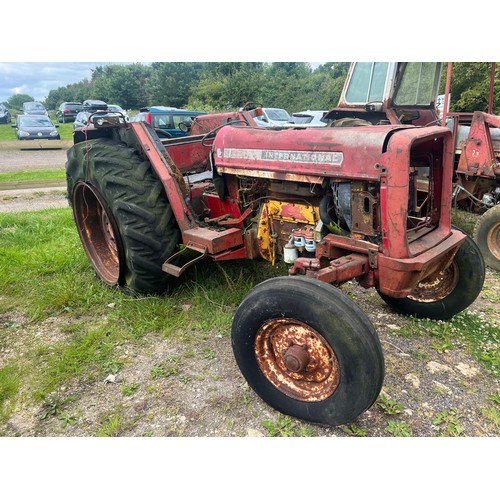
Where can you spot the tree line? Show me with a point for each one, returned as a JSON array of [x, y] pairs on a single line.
[[224, 86]]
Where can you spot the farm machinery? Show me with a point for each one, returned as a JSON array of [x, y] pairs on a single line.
[[335, 204], [377, 93]]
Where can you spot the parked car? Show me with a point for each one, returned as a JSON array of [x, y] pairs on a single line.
[[34, 108], [118, 109], [309, 118], [272, 117], [168, 122], [4, 114], [30, 127], [89, 106], [94, 104], [67, 111]]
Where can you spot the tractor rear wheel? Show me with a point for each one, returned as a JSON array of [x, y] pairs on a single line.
[[446, 292], [122, 213], [307, 350], [487, 237]]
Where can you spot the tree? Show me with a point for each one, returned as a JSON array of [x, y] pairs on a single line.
[[227, 86], [123, 84], [171, 83], [470, 87]]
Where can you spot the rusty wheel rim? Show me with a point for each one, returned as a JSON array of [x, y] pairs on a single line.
[[437, 286], [297, 360], [96, 229], [493, 240]]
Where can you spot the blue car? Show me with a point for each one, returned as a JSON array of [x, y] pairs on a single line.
[[168, 122]]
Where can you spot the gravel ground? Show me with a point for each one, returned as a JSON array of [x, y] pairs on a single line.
[[19, 200], [12, 160]]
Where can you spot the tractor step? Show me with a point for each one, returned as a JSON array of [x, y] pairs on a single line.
[[174, 270]]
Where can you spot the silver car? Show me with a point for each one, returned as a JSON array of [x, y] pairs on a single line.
[[309, 118], [34, 108]]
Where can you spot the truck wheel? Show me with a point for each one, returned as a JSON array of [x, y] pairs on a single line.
[[446, 292], [307, 350], [487, 237], [122, 213]]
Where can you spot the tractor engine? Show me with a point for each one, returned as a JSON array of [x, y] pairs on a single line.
[[317, 196]]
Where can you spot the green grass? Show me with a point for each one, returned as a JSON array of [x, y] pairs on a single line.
[[44, 273], [7, 133], [33, 175], [464, 220]]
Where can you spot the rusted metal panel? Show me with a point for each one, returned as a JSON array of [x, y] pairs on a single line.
[[397, 277], [394, 188], [189, 154], [215, 241], [329, 152], [338, 270], [478, 154]]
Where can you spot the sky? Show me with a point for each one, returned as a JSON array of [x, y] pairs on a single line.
[[37, 79]]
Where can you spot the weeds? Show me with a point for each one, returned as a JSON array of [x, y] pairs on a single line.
[[398, 428], [492, 413], [67, 419], [389, 406], [129, 390], [448, 422], [354, 430], [285, 427], [111, 426], [10, 383]]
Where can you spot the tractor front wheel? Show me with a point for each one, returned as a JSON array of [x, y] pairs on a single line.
[[307, 350], [447, 291], [122, 213], [487, 237]]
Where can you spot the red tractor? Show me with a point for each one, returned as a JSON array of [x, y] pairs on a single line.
[[335, 204]]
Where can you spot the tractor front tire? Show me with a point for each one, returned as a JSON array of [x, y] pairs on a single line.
[[487, 237], [446, 292], [124, 219], [307, 350]]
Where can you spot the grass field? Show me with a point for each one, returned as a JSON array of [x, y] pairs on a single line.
[[30, 175]]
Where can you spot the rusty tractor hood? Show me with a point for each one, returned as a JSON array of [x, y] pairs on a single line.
[[306, 153]]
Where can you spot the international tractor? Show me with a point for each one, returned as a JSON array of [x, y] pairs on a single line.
[[378, 92], [335, 204]]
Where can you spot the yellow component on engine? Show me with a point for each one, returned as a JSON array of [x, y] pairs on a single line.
[[275, 212], [293, 212]]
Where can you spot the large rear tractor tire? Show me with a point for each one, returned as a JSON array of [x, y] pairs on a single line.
[[307, 350], [122, 213], [487, 237], [446, 292]]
